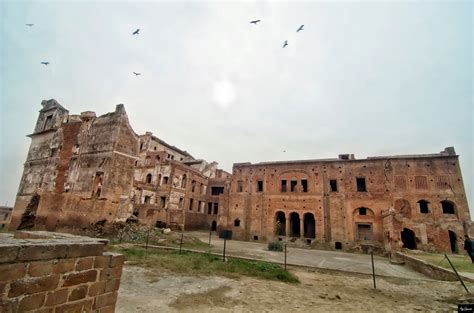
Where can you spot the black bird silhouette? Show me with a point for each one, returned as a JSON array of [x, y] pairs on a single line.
[[45, 63], [254, 22], [285, 44], [136, 73], [136, 32], [29, 24], [299, 29]]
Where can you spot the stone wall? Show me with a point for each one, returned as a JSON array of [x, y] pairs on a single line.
[[52, 272]]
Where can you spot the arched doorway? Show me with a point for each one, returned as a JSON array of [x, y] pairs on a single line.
[[408, 239], [453, 240], [309, 226], [280, 224], [213, 226], [294, 225]]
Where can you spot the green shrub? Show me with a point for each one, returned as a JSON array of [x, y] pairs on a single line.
[[275, 246]]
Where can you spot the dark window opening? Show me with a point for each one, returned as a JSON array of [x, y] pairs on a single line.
[[98, 182], [333, 185], [361, 184], [180, 204], [193, 186], [362, 211], [162, 202], [283, 185], [344, 157], [215, 191], [237, 223], [199, 206], [216, 208], [135, 212], [191, 204], [183, 181], [304, 185], [293, 184], [453, 241], [213, 226], [448, 207], [338, 245], [424, 206], [255, 237], [141, 146], [259, 185], [148, 178], [165, 180], [308, 241], [209, 208], [48, 123], [240, 186], [408, 238], [147, 200]]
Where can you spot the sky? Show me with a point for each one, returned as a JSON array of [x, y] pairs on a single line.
[[369, 78]]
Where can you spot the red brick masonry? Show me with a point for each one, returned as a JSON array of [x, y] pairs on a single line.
[[52, 272]]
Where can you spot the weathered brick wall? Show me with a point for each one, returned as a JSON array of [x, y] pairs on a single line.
[[51, 272]]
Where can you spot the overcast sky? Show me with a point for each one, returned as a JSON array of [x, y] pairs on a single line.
[[362, 77]]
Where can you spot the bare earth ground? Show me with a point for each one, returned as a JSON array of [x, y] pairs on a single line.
[[147, 290]]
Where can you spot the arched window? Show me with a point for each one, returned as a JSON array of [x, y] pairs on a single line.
[[159, 179], [237, 222], [362, 211], [193, 185], [147, 160], [448, 207], [148, 178], [423, 205]]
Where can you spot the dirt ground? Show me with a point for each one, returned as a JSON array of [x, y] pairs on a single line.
[[146, 290]]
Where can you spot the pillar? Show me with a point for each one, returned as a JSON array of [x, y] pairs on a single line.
[[287, 227], [301, 226]]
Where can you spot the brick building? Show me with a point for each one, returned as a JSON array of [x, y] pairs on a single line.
[[417, 201], [83, 169]]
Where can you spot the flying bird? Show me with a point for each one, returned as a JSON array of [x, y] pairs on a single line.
[[285, 44], [136, 32], [137, 73], [254, 22], [300, 29], [45, 63], [29, 24]]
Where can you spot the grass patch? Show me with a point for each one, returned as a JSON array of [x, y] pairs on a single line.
[[461, 262], [191, 263]]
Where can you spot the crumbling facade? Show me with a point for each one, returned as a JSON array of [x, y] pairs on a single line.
[[411, 201], [82, 170]]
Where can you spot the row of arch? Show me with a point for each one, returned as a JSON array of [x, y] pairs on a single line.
[[293, 226], [403, 207]]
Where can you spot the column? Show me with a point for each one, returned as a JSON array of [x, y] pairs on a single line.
[[287, 227], [301, 227]]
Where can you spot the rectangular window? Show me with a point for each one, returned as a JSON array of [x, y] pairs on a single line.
[[190, 204], [240, 187], [48, 123], [421, 182], [442, 182], [333, 185], [293, 184], [209, 208], [199, 206], [165, 180], [147, 200], [215, 191], [216, 208], [259, 185], [98, 183], [304, 185], [193, 186], [163, 202], [361, 184], [283, 185], [180, 204], [400, 182]]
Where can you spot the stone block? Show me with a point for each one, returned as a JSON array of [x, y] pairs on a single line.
[[105, 299], [28, 286], [78, 306], [102, 261], [8, 253], [80, 278], [85, 249], [12, 271], [116, 260], [56, 297], [44, 251], [107, 309], [78, 293], [97, 288], [83, 264], [110, 273], [112, 285], [36, 269], [63, 266], [31, 302]]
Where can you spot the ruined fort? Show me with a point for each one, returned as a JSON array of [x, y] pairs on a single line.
[[83, 170]]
